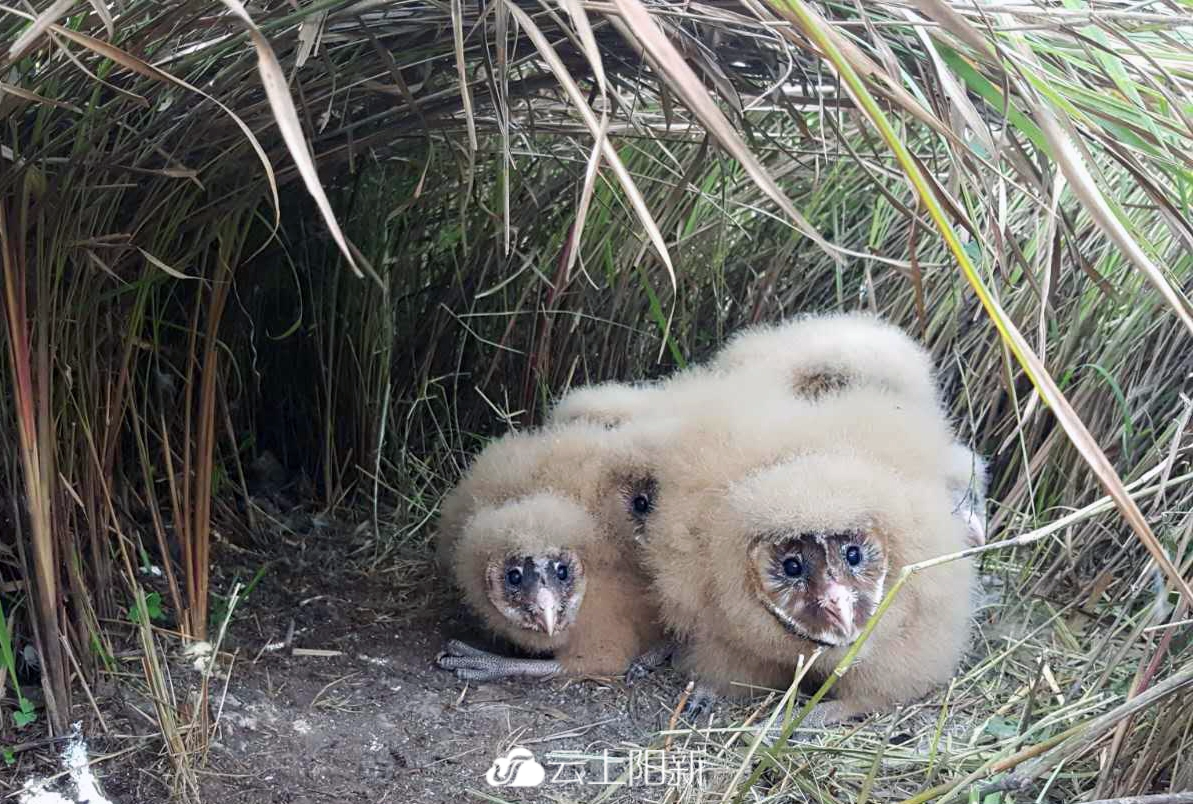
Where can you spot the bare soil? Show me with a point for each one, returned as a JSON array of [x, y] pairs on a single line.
[[327, 691], [377, 721]]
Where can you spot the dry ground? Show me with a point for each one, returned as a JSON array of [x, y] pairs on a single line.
[[377, 721], [374, 720]]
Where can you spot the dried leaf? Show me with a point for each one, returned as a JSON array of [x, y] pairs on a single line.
[[575, 10], [611, 156], [40, 25], [101, 9], [310, 31], [949, 19], [162, 266], [590, 175], [286, 116], [462, 72], [689, 87]]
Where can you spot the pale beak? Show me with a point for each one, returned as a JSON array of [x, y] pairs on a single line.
[[836, 619], [838, 605], [545, 602]]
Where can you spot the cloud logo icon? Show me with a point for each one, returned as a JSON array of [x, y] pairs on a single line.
[[518, 768]]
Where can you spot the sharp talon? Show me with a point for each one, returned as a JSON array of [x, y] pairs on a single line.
[[636, 672], [470, 668], [768, 735], [699, 704], [465, 674], [824, 715], [466, 663], [648, 662], [473, 664]]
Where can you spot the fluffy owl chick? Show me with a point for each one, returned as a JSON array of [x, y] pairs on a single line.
[[542, 572], [795, 557], [538, 536], [820, 354]]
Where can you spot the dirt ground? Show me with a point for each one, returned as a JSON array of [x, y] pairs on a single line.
[[332, 695], [377, 721]]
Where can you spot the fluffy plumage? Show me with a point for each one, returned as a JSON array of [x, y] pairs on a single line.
[[808, 357], [821, 354], [826, 354], [560, 509], [736, 499], [610, 404]]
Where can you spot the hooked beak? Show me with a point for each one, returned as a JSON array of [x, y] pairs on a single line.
[[837, 619], [545, 602], [838, 610]]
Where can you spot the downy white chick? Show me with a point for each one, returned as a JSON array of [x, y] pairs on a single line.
[[538, 537], [761, 529], [791, 573], [823, 353]]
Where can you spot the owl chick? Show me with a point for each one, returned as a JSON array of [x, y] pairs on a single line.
[[824, 353], [801, 472], [538, 537], [796, 557], [810, 356]]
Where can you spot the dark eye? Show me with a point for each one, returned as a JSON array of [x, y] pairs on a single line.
[[561, 572], [514, 577], [793, 568], [641, 504], [853, 555]]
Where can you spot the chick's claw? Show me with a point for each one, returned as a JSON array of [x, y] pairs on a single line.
[[636, 672], [455, 647], [700, 702], [829, 713], [648, 662]]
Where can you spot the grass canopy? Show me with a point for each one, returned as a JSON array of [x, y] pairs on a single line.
[[351, 241]]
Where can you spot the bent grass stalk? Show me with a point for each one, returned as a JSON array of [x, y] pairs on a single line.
[[829, 40]]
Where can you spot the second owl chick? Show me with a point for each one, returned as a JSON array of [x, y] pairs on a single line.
[[795, 558], [745, 502]]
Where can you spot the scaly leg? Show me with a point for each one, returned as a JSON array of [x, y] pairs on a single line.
[[474, 664], [457, 648], [649, 661]]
